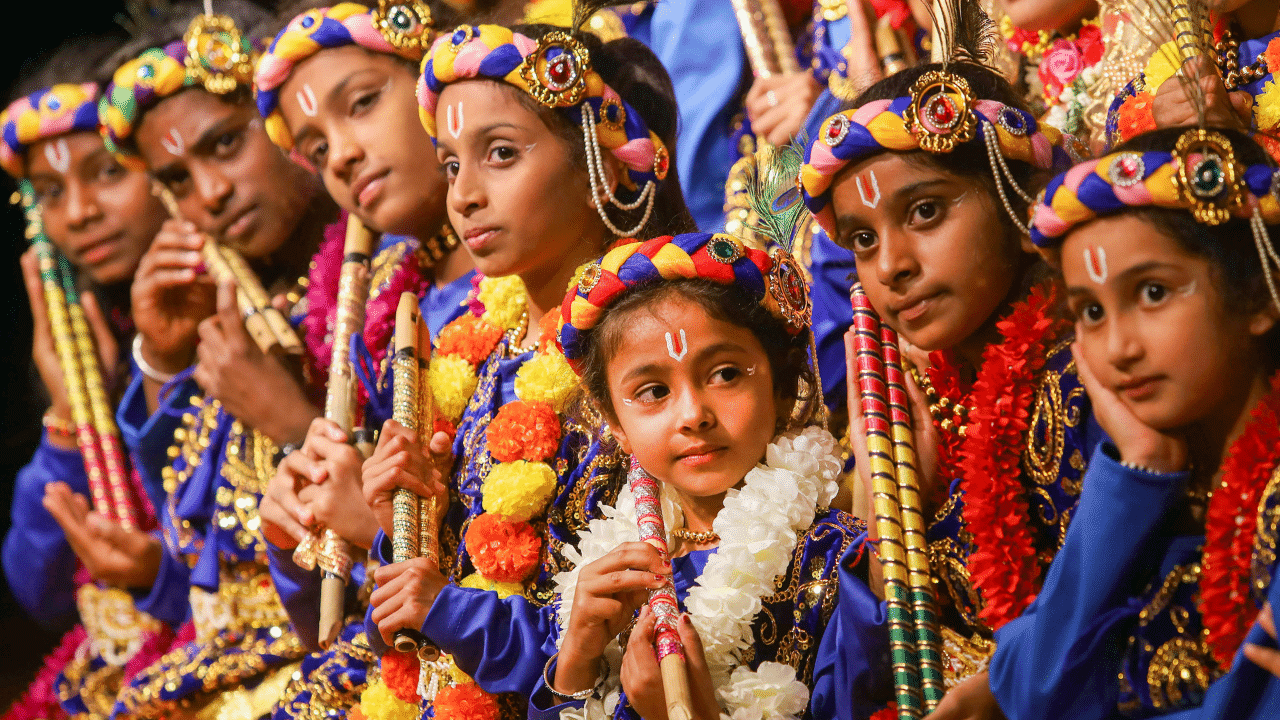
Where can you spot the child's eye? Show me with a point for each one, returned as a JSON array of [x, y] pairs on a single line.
[[317, 153], [652, 393], [925, 211], [726, 374], [450, 168], [364, 102], [48, 193], [862, 241], [1090, 313], [110, 172], [1153, 293], [502, 154], [227, 144]]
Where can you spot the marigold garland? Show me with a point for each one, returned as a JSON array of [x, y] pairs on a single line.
[[1230, 527], [470, 338], [1003, 565], [504, 590], [380, 703], [518, 490], [524, 431], [400, 674], [503, 551], [466, 702]]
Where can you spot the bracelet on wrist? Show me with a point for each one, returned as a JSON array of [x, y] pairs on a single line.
[[1141, 468], [147, 368], [581, 694], [55, 425]]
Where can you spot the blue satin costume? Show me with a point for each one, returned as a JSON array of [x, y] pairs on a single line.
[[822, 621], [331, 681], [1116, 631]]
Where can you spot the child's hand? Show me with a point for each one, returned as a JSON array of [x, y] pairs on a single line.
[[111, 554], [608, 593], [970, 700], [1137, 442], [404, 595], [400, 461], [171, 295], [254, 387], [778, 105], [642, 676], [1266, 658], [1173, 107]]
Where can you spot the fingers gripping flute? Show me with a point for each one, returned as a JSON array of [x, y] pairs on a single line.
[[107, 479], [266, 325], [662, 602], [332, 553], [899, 524], [413, 521]]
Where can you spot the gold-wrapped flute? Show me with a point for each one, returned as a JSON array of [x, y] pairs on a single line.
[[766, 37], [254, 302], [334, 553]]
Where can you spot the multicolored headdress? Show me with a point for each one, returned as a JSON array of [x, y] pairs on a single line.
[[773, 277], [43, 114], [1201, 176], [556, 71], [212, 54], [397, 27], [940, 114]]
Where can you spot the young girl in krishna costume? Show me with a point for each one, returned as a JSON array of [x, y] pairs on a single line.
[[555, 145], [695, 348], [926, 182], [101, 217], [336, 87], [191, 121], [1166, 250]]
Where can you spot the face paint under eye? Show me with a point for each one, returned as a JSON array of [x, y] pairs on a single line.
[[751, 370], [1188, 289], [453, 122], [529, 148], [173, 142], [868, 190], [307, 101], [58, 155], [1095, 263], [672, 345]]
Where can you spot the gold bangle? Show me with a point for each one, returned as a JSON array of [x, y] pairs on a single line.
[[58, 426]]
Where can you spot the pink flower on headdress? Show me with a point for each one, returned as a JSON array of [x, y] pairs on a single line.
[[1060, 66]]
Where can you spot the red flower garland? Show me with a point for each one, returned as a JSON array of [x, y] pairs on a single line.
[[466, 702], [1135, 116], [503, 551], [1230, 527], [524, 431], [1002, 564]]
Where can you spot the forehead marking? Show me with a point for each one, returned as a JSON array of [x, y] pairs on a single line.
[[58, 155], [868, 190], [682, 344], [454, 125], [307, 101], [173, 142], [1095, 263]]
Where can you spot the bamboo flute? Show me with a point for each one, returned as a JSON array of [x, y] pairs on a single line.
[[888, 519], [333, 553], [64, 344], [662, 601], [920, 578], [121, 507]]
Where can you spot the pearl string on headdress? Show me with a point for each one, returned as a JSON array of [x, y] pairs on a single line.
[[1266, 253], [1000, 172], [599, 182]]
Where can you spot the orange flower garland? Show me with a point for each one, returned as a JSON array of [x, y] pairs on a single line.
[[466, 702], [1230, 527], [503, 551], [524, 431]]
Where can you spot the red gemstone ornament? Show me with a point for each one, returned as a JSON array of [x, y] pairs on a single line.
[[1126, 170], [837, 129]]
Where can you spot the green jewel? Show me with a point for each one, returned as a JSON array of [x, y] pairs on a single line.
[[400, 19], [1207, 180], [724, 250]]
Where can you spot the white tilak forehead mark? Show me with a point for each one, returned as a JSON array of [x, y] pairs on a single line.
[[671, 346], [307, 101], [58, 155], [173, 142], [868, 188], [1095, 263], [454, 126]]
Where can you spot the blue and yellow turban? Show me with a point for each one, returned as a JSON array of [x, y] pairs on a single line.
[[395, 28], [1201, 176], [213, 54], [43, 114], [937, 124], [556, 71], [772, 277]]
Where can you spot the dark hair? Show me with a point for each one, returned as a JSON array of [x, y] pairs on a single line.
[[638, 76], [1237, 268], [788, 353], [79, 60], [968, 160]]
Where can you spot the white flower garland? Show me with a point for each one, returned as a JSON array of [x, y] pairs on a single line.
[[758, 529]]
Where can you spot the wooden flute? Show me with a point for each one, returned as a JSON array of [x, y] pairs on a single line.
[[266, 325]]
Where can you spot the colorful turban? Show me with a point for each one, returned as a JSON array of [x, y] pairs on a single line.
[[213, 54], [395, 28], [772, 277], [47, 113], [1201, 175], [854, 135], [556, 71]]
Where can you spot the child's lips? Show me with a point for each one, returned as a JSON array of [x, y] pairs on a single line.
[[701, 455]]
